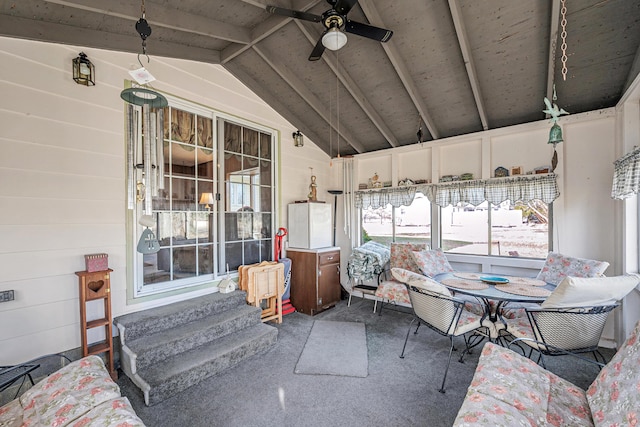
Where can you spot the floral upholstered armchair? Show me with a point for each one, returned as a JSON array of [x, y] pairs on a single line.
[[508, 390], [391, 290]]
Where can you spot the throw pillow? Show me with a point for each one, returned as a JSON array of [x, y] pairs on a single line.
[[585, 292], [432, 262], [419, 281], [558, 266], [401, 255], [613, 396]]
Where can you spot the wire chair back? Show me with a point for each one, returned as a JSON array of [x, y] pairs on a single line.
[[573, 329], [437, 311]]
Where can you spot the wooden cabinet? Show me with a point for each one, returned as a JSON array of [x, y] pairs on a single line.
[[315, 279], [96, 286]]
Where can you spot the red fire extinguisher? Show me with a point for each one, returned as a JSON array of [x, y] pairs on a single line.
[[278, 244]]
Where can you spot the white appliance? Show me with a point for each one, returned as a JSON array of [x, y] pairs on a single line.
[[310, 225]]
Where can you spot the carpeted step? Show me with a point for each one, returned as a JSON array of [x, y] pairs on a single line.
[[181, 371], [154, 348], [146, 322]]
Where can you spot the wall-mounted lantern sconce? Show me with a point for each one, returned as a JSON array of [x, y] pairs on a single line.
[[84, 72], [298, 139]]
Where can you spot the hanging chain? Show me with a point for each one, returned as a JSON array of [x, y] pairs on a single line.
[[143, 10], [338, 102], [563, 35]]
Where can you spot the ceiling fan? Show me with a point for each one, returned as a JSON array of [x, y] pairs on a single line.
[[336, 22]]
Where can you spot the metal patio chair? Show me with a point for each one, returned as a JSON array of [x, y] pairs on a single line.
[[558, 331], [445, 315]]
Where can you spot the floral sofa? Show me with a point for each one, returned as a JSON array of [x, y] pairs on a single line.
[[78, 395], [509, 390]]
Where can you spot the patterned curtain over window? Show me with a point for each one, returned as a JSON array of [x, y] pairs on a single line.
[[496, 190], [517, 188], [380, 198], [626, 176]]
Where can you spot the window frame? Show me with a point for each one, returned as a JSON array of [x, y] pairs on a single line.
[[394, 218], [490, 236], [134, 229]]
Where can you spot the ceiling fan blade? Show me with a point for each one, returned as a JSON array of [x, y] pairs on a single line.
[[344, 6], [294, 14], [368, 31], [318, 50]]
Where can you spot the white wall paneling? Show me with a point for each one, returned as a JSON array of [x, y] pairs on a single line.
[[62, 180]]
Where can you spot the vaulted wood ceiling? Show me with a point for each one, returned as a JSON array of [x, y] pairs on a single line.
[[451, 67]]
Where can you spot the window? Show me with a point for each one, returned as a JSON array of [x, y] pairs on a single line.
[[210, 215], [515, 230], [402, 224], [248, 213]]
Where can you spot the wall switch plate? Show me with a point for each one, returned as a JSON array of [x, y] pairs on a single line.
[[6, 296]]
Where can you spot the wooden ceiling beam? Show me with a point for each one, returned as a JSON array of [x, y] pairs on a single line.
[[554, 24], [309, 97], [274, 102], [32, 29], [162, 17], [352, 87], [262, 31], [463, 41], [373, 16]]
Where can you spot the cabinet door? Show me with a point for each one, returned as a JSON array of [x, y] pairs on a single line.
[[328, 285]]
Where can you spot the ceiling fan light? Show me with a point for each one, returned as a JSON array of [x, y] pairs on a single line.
[[334, 39]]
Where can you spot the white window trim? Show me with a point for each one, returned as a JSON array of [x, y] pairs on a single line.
[[134, 229]]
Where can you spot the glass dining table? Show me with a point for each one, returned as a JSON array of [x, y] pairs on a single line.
[[494, 293]]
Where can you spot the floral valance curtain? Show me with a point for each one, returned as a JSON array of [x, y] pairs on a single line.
[[381, 197], [496, 190], [626, 175]]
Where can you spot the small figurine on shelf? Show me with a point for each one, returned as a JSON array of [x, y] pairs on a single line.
[[313, 190]]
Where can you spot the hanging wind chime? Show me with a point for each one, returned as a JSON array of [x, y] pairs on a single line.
[[145, 149], [554, 112]]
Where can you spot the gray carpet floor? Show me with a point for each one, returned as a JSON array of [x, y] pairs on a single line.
[[265, 391]]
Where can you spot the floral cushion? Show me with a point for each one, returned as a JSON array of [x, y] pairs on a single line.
[[520, 327], [558, 266], [508, 390], [68, 393], [568, 404], [11, 414], [401, 256], [432, 262], [112, 413], [419, 281], [393, 291], [614, 396]]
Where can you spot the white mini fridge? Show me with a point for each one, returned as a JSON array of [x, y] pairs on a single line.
[[310, 225]]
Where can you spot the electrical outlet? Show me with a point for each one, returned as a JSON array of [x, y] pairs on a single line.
[[6, 296]]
